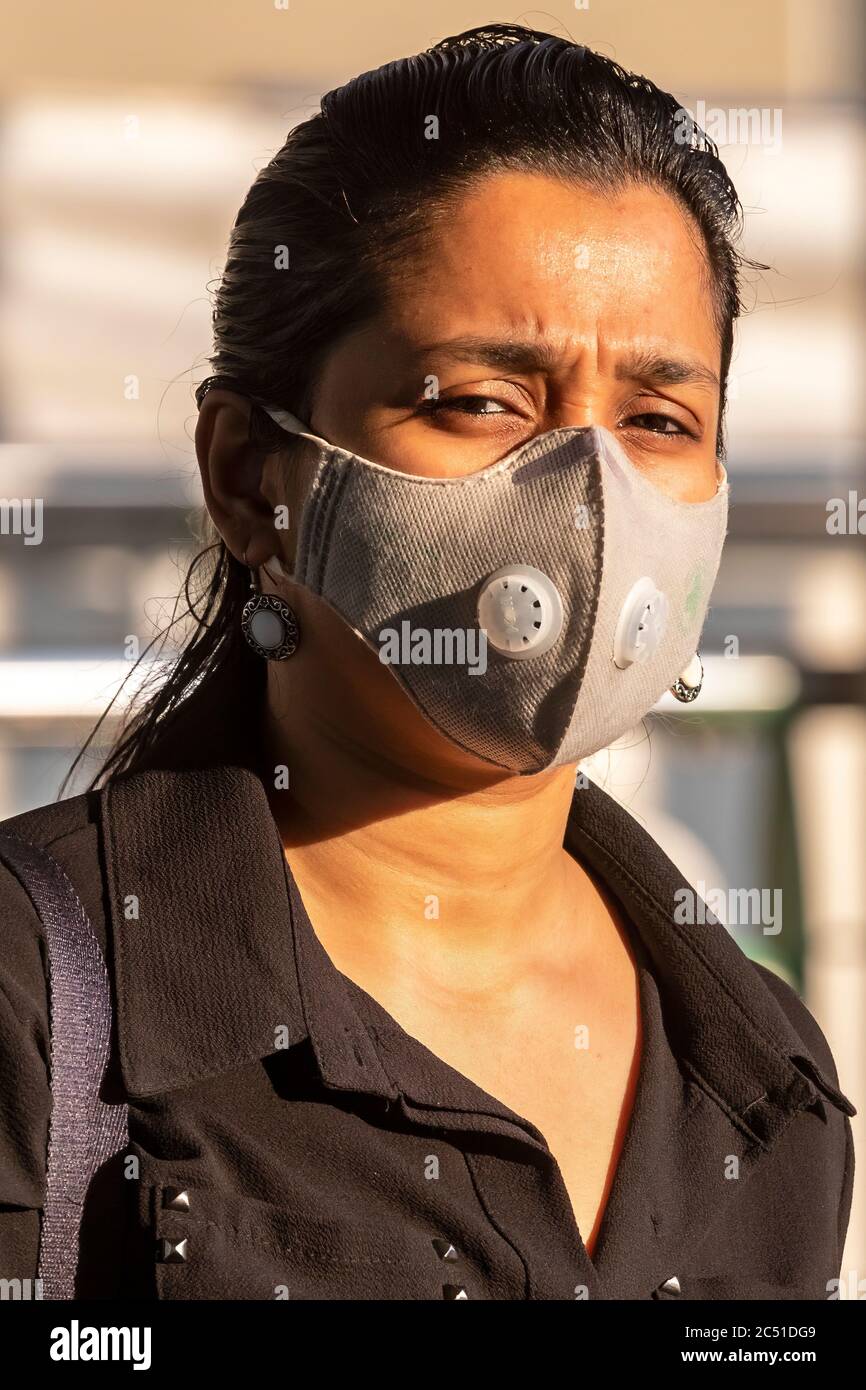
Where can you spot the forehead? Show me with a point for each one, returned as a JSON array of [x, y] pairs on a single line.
[[531, 253]]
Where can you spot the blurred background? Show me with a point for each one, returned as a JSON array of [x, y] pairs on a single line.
[[128, 139]]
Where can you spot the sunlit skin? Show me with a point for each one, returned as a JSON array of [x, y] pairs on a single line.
[[601, 311]]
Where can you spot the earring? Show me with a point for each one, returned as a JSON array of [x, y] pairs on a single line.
[[687, 686], [268, 623]]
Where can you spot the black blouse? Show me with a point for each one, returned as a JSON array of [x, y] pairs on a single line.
[[304, 1146]]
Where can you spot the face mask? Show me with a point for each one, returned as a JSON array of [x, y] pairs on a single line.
[[534, 611]]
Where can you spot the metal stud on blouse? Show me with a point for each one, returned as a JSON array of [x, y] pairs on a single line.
[[171, 1252], [444, 1249], [175, 1199]]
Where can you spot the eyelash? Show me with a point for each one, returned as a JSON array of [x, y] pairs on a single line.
[[440, 404]]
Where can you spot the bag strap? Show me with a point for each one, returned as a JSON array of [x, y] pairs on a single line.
[[84, 1130]]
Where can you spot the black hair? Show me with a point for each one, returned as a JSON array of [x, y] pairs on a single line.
[[345, 199]]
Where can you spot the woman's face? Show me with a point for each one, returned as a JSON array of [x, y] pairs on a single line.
[[537, 304], [533, 305]]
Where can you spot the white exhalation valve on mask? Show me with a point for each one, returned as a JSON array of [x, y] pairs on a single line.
[[641, 624], [520, 610]]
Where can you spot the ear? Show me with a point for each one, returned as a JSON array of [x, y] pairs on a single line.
[[232, 476]]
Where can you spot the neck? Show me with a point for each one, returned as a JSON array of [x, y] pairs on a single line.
[[402, 872]]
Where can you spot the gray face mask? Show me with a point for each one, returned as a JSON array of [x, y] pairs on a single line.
[[534, 611]]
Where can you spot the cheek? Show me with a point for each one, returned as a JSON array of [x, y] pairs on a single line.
[[699, 483], [692, 480]]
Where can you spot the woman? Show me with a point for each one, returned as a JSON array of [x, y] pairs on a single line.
[[403, 1007]]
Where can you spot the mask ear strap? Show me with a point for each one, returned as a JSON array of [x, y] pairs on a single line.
[[289, 422], [284, 418]]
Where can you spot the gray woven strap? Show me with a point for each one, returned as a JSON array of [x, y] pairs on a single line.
[[84, 1131]]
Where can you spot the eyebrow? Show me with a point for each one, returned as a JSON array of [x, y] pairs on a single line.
[[512, 355]]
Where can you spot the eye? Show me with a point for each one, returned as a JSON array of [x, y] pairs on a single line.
[[463, 405], [658, 423]]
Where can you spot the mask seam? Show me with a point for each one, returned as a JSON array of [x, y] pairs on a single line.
[[309, 513], [329, 485], [340, 485], [591, 621]]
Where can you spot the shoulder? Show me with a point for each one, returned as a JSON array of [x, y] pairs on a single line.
[[44, 827], [67, 831]]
